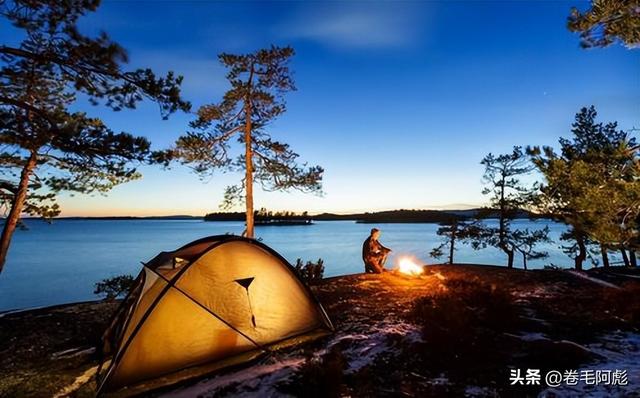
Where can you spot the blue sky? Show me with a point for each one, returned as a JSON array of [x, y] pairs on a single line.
[[398, 101]]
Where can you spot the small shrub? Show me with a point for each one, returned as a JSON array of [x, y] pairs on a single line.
[[310, 272], [114, 287]]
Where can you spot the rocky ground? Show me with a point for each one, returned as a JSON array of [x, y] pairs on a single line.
[[457, 330]]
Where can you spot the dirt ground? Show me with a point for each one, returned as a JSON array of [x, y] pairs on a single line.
[[456, 330]]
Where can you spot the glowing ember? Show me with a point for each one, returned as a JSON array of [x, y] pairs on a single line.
[[409, 267]]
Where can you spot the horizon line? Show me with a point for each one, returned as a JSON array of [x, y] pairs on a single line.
[[435, 208]]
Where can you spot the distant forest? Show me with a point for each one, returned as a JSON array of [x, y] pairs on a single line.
[[381, 217]]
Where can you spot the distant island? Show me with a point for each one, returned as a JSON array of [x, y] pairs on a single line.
[[265, 217]]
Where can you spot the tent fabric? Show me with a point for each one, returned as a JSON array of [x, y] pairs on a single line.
[[209, 301]]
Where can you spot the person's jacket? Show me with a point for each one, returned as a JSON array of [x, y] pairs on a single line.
[[372, 248]]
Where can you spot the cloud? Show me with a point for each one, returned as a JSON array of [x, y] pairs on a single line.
[[356, 25]]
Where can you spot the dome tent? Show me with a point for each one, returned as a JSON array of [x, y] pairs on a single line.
[[215, 302]]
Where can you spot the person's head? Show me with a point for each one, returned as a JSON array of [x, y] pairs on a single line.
[[375, 233]]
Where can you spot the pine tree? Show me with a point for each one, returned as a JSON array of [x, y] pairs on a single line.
[[45, 147], [508, 196], [525, 242], [258, 83], [593, 185], [607, 22], [454, 231]]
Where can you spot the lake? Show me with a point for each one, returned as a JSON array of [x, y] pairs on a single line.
[[60, 262]]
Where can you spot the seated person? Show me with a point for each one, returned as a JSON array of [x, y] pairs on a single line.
[[374, 254]]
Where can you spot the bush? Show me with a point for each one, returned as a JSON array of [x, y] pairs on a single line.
[[310, 272], [114, 287]]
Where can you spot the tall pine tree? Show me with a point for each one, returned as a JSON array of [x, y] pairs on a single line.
[[258, 83], [508, 196], [45, 147], [593, 185]]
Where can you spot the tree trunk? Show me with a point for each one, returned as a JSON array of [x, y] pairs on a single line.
[[453, 242], [510, 256], [625, 258], [502, 228], [524, 261], [632, 258], [17, 205], [249, 171], [605, 256], [582, 252]]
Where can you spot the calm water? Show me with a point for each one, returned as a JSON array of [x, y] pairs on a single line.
[[60, 262]]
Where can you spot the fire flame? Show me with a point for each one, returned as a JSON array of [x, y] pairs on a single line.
[[409, 267]]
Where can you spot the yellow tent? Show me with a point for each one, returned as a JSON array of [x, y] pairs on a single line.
[[215, 302]]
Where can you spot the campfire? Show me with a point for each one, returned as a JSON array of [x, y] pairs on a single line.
[[408, 266]]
